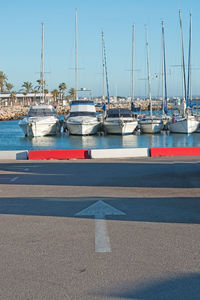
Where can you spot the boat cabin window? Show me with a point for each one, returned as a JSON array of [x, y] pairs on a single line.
[[41, 112], [82, 113], [117, 113]]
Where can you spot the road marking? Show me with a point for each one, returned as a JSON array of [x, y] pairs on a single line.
[[99, 210], [14, 179]]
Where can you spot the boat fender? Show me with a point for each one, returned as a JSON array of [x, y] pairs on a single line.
[[30, 124]]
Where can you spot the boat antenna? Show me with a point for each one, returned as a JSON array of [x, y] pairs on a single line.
[[76, 55], [106, 71], [164, 79], [148, 71], [42, 65], [182, 55], [189, 86], [132, 70], [103, 66]]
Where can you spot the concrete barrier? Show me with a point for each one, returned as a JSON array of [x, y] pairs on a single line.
[[119, 153], [175, 151], [58, 154], [15, 155]]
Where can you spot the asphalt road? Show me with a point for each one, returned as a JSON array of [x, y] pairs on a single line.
[[94, 229]]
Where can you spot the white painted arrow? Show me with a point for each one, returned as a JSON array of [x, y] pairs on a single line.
[[99, 210]]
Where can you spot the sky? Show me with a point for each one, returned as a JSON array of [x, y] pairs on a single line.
[[20, 50]]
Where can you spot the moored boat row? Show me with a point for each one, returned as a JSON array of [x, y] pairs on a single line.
[[82, 119]]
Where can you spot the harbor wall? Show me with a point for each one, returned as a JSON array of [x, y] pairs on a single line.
[[119, 153], [99, 153]]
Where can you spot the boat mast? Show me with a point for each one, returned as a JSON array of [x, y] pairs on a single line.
[[103, 66], [148, 71], [76, 56], [183, 60], [164, 80], [106, 71], [42, 65], [189, 83], [132, 69]]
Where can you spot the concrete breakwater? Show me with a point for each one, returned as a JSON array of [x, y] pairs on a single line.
[[18, 112]]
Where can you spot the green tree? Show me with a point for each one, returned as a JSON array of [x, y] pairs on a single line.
[[72, 93], [55, 94], [13, 96], [45, 93], [34, 91], [27, 86], [62, 87], [9, 86], [41, 83], [3, 79], [26, 89]]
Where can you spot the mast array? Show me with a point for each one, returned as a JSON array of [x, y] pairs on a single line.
[[182, 58], [103, 66], [42, 65], [189, 85], [148, 71], [132, 69], [164, 80], [76, 55]]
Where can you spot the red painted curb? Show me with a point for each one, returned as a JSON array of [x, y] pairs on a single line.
[[175, 151], [58, 154]]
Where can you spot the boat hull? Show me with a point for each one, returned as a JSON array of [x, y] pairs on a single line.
[[36, 129], [184, 126], [82, 128], [151, 126], [121, 128]]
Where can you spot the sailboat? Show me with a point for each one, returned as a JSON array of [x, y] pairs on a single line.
[[150, 124], [165, 117], [121, 120], [41, 120], [185, 122], [82, 118]]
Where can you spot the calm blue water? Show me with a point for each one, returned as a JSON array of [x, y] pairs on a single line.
[[11, 138]]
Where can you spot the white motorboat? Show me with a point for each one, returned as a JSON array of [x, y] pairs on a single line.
[[41, 120], [120, 121], [82, 118]]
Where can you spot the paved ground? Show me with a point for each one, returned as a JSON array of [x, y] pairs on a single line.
[[146, 219]]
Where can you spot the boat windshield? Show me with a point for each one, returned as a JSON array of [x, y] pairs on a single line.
[[82, 113], [41, 112], [117, 113]]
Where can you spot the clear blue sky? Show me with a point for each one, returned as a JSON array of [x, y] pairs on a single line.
[[21, 42]]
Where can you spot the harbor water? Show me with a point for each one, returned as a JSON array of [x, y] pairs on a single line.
[[12, 138]]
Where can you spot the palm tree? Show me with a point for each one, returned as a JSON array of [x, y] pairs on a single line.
[[55, 94], [9, 86], [35, 91], [62, 87], [13, 95], [41, 83], [3, 79], [27, 87], [72, 93], [45, 93]]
